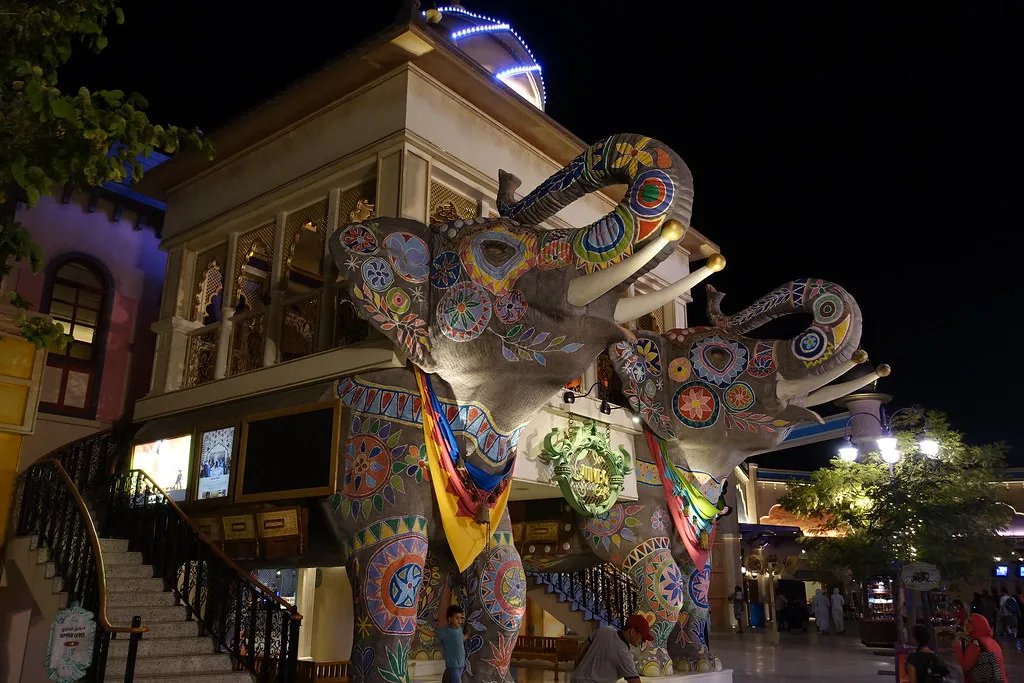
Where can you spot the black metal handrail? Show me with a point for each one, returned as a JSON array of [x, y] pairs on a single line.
[[89, 460], [48, 506], [603, 592], [245, 618]]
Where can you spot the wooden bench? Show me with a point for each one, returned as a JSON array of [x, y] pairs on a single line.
[[550, 649]]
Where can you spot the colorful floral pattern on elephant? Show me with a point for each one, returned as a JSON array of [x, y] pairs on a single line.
[[659, 520], [666, 588], [397, 670], [613, 526], [464, 311], [556, 250], [503, 588], [410, 330], [763, 362], [647, 349], [699, 585], [510, 307], [409, 256], [605, 242], [652, 194], [426, 642], [522, 342], [496, 258], [696, 405], [398, 300], [679, 370], [446, 270], [374, 455], [392, 583], [811, 344], [360, 239], [501, 652], [717, 360], [377, 274], [739, 396]]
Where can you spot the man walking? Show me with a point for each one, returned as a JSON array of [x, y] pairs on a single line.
[[606, 658]]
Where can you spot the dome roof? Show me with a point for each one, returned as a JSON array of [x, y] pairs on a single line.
[[496, 46]]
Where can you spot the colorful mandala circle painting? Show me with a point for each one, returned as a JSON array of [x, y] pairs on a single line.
[[828, 309], [393, 577], [360, 239], [464, 311], [700, 584], [377, 273], [739, 396], [763, 363], [409, 256], [398, 300], [671, 588], [695, 405], [652, 194], [718, 361], [446, 270], [809, 344], [367, 466], [503, 588], [607, 239], [679, 369], [648, 351], [510, 307]]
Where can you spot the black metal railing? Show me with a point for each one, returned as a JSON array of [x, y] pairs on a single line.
[[602, 593], [47, 505], [245, 618], [89, 460]]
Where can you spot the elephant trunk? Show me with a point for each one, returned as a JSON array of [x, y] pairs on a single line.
[[823, 348], [660, 189]]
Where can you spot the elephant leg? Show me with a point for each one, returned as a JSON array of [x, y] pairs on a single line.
[[688, 643], [435, 596], [495, 602], [662, 594], [387, 572]]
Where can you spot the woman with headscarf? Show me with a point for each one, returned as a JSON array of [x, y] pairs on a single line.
[[837, 610], [821, 611], [976, 642]]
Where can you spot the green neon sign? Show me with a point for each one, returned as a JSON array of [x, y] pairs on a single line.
[[587, 470]]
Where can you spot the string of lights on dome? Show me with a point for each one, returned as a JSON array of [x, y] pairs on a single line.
[[495, 23], [516, 70]]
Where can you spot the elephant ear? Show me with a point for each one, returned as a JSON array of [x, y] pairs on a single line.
[[642, 366], [385, 263]]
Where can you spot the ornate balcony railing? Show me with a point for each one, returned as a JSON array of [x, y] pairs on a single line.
[[88, 460], [248, 336], [47, 505], [603, 593], [245, 618], [201, 355]]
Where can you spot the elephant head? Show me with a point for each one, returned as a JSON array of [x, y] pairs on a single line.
[[477, 302], [717, 396]]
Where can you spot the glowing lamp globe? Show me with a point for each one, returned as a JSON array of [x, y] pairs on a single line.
[[891, 457], [929, 446], [887, 443], [848, 453]]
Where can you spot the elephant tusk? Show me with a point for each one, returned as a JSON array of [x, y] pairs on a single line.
[[631, 308], [788, 389], [588, 288], [827, 394]]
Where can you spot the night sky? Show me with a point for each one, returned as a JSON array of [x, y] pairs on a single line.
[[871, 146]]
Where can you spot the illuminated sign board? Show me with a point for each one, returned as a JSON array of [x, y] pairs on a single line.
[[167, 463], [215, 451], [587, 470]]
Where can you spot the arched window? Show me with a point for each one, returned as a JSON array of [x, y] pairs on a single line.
[[78, 298]]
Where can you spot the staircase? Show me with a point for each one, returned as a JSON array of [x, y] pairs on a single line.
[[600, 595], [172, 651]]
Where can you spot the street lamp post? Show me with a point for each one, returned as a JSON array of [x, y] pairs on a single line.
[[888, 448]]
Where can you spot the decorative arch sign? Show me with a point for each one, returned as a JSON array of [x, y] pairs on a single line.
[[921, 576], [69, 652], [587, 470]]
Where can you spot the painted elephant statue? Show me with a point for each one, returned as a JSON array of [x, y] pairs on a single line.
[[708, 398], [495, 315]]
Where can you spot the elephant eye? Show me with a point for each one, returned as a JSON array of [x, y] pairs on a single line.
[[497, 253]]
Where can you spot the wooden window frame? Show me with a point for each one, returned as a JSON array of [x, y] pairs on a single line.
[[93, 367]]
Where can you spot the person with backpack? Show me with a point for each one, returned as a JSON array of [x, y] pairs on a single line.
[[923, 665], [1009, 612], [979, 655]]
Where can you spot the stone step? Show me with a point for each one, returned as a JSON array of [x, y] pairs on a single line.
[[135, 585], [181, 664], [113, 545], [234, 677], [161, 647], [140, 598], [116, 558], [169, 629], [150, 614], [128, 571]]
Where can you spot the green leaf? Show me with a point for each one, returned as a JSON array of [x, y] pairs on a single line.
[[119, 15], [513, 332], [101, 42], [398, 484]]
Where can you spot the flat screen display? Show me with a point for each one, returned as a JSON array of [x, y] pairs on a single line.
[[215, 457], [1002, 570], [291, 453], [167, 463]]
